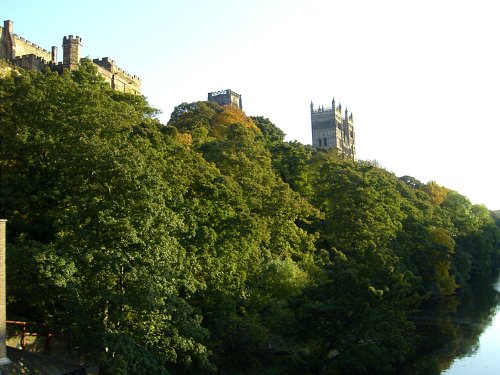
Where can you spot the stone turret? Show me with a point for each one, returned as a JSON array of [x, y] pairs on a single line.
[[72, 47], [54, 55]]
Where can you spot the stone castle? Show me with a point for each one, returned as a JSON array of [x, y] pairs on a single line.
[[25, 54], [331, 129]]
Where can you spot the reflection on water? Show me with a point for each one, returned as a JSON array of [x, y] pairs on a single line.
[[484, 359], [459, 336]]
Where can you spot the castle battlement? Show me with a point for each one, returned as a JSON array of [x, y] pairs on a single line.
[[128, 75], [104, 60], [110, 65], [30, 43], [31, 62], [221, 92], [31, 56], [28, 55], [226, 97], [72, 38]]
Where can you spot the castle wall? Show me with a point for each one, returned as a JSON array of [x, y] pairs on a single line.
[[28, 55], [116, 77], [123, 82], [25, 47], [106, 74], [31, 62]]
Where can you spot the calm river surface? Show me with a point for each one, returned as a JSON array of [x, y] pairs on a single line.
[[482, 358], [459, 335]]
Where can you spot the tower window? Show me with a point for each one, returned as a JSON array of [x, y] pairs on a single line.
[[324, 141]]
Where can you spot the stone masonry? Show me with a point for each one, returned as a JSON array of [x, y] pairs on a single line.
[[226, 97], [330, 129], [25, 54]]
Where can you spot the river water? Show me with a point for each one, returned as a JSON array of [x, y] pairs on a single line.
[[460, 335], [483, 358]]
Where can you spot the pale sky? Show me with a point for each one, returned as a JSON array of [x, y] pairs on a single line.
[[422, 78]]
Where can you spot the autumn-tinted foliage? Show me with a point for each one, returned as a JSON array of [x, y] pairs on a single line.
[[211, 245]]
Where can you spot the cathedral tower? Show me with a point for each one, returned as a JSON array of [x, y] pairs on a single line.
[[331, 129]]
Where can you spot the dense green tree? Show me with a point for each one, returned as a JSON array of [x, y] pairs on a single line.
[[212, 245], [89, 185], [344, 315], [272, 134], [263, 230], [292, 160]]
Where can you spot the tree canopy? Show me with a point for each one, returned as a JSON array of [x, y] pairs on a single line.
[[212, 245]]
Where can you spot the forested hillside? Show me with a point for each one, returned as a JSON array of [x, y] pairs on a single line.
[[211, 245]]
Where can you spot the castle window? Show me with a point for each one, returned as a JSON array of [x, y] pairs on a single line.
[[319, 140], [324, 141]]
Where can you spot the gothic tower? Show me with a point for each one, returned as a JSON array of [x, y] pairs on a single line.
[[331, 129]]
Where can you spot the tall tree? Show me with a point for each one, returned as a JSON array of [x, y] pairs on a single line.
[[89, 184]]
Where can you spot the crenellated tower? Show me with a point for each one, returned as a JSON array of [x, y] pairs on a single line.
[[333, 129], [72, 47], [226, 97]]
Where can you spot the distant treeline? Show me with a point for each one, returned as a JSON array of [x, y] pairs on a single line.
[[211, 245]]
